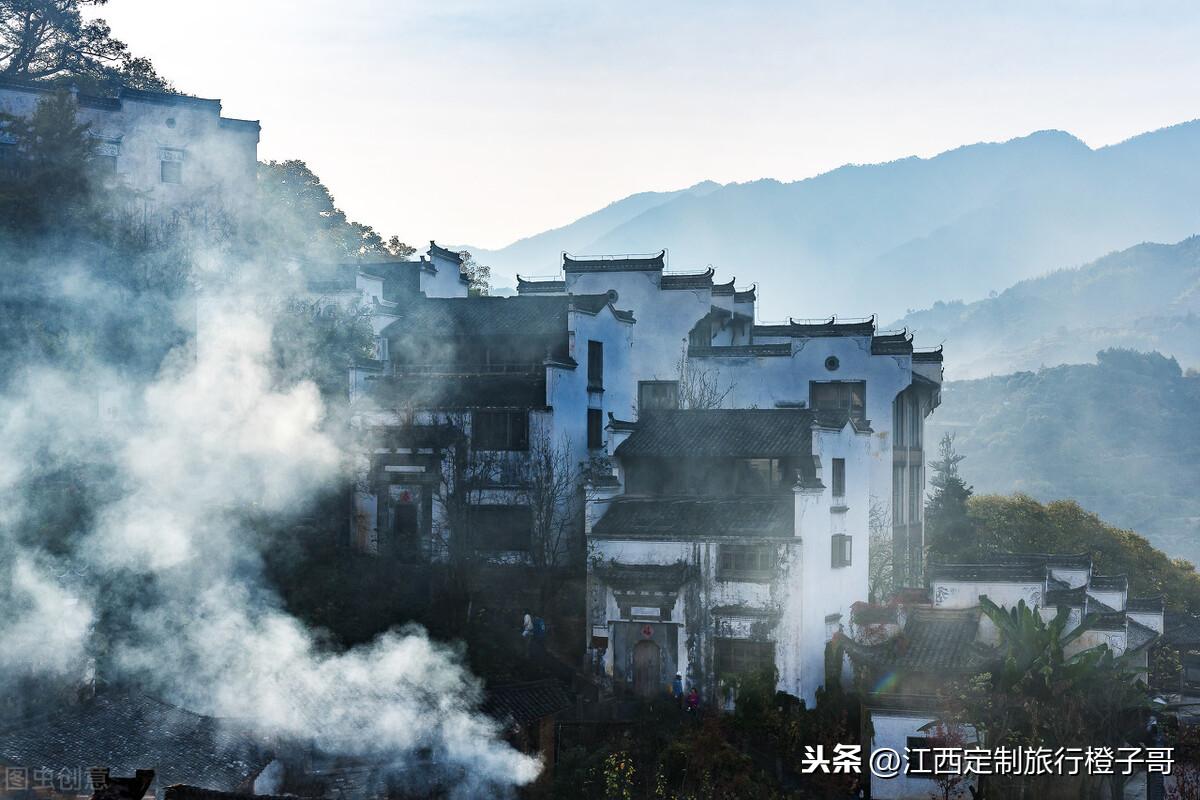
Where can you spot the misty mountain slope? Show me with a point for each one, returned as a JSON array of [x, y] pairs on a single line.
[[539, 254], [1146, 297], [888, 237], [1118, 436]]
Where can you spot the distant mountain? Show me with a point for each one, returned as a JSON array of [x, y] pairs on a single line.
[[889, 237], [1119, 436], [1146, 298], [539, 254]]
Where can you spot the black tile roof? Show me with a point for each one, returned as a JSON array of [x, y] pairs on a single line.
[[437, 249], [693, 517], [653, 263], [535, 286], [741, 351], [1052, 560], [481, 316], [697, 280], [644, 577], [891, 344], [462, 391], [722, 433], [1109, 583], [1095, 606], [933, 639], [130, 731], [1181, 629], [724, 289], [933, 356], [988, 572], [1138, 635], [818, 328], [523, 703], [1066, 597], [1146, 604], [461, 317], [1104, 620]]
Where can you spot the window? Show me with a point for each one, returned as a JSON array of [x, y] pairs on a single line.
[[898, 502], [595, 429], [496, 527], [500, 430], [847, 396], [841, 550], [746, 562], [915, 487], [170, 165], [658, 395], [839, 477], [744, 657], [171, 172], [701, 335], [595, 364], [757, 475]]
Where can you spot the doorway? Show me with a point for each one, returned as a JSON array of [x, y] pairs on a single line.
[[647, 669]]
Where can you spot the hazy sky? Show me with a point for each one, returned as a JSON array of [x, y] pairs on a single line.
[[478, 123]]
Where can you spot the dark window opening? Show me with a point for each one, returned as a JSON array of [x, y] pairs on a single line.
[[497, 527], [839, 477], [595, 364], [746, 562], [595, 429], [744, 657], [841, 550], [701, 335], [847, 396], [759, 475], [915, 486], [500, 430], [658, 395], [171, 171], [402, 540]]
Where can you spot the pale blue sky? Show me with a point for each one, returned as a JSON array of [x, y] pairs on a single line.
[[483, 122]]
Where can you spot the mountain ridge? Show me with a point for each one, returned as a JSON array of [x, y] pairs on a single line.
[[904, 233]]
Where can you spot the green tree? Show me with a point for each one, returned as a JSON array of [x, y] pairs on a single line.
[[948, 529], [49, 177], [49, 41], [479, 275], [299, 218], [1020, 524], [1036, 695]]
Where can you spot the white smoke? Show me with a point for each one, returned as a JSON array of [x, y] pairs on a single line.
[[189, 453]]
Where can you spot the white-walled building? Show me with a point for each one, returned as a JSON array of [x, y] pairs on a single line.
[[730, 468], [731, 541], [906, 654], [173, 150]]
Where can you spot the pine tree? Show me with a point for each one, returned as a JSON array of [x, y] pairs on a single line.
[[948, 530]]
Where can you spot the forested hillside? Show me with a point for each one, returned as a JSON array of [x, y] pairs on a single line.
[[1119, 436], [1146, 297]]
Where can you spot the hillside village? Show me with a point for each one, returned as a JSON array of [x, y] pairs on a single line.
[[643, 494]]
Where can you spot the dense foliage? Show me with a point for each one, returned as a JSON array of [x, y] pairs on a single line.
[[1119, 437], [962, 527], [1036, 695], [50, 41]]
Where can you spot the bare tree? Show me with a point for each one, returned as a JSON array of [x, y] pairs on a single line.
[[881, 557], [700, 387], [465, 476], [552, 490]]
